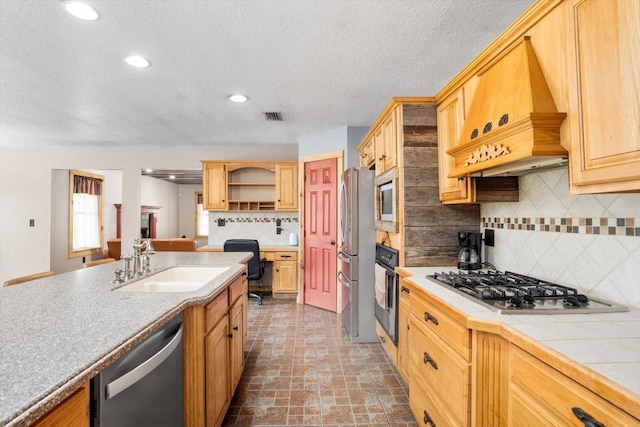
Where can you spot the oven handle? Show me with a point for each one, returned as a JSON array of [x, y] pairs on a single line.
[[343, 258], [345, 283]]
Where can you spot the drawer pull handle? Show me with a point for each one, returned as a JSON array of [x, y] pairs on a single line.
[[244, 273], [428, 316], [382, 340], [285, 256], [427, 359], [427, 419], [405, 289], [585, 418]]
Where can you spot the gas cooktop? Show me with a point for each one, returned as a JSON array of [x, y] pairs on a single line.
[[513, 293]]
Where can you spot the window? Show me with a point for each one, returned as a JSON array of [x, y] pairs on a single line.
[[86, 202], [202, 217]]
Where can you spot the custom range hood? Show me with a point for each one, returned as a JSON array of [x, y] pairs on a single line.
[[513, 125]]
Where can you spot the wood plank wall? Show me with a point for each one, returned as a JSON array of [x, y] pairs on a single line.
[[430, 228]]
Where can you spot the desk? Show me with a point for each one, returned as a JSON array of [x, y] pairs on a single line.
[[285, 267]]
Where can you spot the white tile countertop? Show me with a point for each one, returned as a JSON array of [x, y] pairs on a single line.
[[606, 343], [57, 333]]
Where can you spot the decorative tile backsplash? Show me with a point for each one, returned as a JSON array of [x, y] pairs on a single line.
[[590, 242], [253, 225]]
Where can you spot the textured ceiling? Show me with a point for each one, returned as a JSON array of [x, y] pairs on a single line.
[[321, 63]]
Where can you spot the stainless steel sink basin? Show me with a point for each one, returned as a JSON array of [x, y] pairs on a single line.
[[176, 279]]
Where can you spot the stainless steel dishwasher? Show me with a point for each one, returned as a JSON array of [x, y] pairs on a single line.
[[144, 387]]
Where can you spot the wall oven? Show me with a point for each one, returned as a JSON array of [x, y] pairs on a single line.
[[386, 284]]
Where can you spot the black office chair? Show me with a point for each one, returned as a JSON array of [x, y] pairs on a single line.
[[255, 264]]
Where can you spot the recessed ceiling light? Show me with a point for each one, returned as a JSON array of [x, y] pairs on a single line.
[[137, 61], [238, 98], [148, 170], [172, 177], [81, 10]]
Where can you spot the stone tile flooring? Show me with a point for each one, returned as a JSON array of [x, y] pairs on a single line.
[[301, 370]]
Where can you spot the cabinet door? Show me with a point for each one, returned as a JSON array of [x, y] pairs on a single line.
[[403, 331], [236, 344], [214, 186], [285, 276], [368, 153], [286, 187], [217, 392], [378, 141], [450, 121], [390, 128], [73, 411], [605, 136]]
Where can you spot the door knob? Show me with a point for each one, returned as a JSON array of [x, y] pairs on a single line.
[[332, 242]]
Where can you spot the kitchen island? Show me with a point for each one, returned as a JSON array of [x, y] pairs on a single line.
[[58, 332], [520, 366]]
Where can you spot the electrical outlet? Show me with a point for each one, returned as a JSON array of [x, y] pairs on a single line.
[[489, 237], [278, 230], [221, 222], [32, 223]]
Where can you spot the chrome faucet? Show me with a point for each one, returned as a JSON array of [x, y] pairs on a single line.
[[141, 260]]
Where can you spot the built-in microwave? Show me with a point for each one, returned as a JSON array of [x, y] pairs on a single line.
[[387, 201]]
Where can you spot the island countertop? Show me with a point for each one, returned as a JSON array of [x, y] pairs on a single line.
[[58, 332]]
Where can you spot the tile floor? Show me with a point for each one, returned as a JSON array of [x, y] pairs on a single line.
[[301, 370]]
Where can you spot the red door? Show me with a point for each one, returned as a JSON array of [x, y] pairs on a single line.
[[320, 233]]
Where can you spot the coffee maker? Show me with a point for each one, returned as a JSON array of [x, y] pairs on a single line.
[[469, 255]]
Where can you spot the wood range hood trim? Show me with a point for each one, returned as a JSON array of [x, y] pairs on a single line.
[[513, 123]]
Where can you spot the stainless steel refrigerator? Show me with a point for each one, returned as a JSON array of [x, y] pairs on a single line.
[[357, 254]]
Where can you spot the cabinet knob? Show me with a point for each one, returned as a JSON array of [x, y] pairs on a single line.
[[405, 289], [427, 419], [230, 335], [427, 359], [428, 316], [382, 340], [235, 328], [585, 418]]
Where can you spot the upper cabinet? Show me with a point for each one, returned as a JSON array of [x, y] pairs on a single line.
[[561, 82], [286, 187], [385, 136], [250, 186], [368, 153], [604, 77]]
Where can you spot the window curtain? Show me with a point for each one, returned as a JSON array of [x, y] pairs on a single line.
[[86, 212], [202, 218]]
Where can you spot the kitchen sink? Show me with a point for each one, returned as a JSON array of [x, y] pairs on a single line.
[[176, 279]]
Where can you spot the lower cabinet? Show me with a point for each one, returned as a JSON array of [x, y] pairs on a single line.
[[389, 347], [73, 411], [541, 395], [404, 309], [214, 354], [285, 272]]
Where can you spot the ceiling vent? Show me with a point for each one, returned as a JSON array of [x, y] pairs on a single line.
[[273, 116]]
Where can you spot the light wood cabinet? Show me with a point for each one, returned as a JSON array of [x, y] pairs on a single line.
[[250, 186], [404, 330], [604, 76], [285, 272], [386, 143], [439, 364], [450, 121], [368, 153], [389, 347], [73, 411], [540, 395], [215, 334], [214, 186], [218, 378], [286, 187]]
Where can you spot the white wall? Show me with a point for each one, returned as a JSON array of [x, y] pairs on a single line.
[[164, 194], [26, 182], [602, 262], [186, 209]]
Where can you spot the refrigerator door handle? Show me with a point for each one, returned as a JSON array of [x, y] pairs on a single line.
[[344, 282], [343, 258]]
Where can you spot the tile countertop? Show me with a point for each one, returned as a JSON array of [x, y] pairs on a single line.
[[606, 343], [58, 332]]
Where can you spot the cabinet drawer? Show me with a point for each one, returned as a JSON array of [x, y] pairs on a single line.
[[536, 388], [440, 370], [444, 326], [286, 256], [238, 287], [427, 409], [73, 411], [389, 347], [216, 310]]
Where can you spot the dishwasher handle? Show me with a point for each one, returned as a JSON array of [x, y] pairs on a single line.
[[130, 378]]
